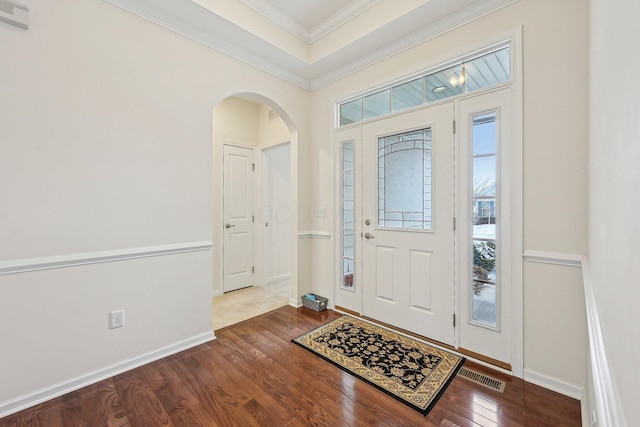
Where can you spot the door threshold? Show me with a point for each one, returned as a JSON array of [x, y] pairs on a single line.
[[476, 357], [485, 359]]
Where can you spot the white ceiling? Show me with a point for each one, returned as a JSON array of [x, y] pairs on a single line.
[[311, 43]]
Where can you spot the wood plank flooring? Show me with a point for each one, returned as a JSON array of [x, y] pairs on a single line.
[[252, 375]]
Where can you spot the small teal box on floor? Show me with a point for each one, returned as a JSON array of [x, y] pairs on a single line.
[[314, 302]]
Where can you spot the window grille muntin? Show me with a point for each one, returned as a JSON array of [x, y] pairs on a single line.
[[348, 216], [404, 180], [485, 289], [480, 71]]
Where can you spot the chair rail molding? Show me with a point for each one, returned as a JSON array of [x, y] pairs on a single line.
[[314, 235], [556, 258], [62, 261]]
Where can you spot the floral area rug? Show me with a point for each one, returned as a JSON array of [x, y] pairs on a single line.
[[413, 372]]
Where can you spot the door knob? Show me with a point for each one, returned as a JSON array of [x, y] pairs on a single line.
[[229, 225], [368, 236]]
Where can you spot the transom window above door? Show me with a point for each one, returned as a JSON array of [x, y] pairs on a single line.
[[486, 68]]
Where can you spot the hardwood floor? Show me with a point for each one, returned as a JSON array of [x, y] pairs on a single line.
[[252, 375]]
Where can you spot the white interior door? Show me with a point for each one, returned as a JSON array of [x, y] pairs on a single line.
[[238, 218], [277, 212], [408, 210]]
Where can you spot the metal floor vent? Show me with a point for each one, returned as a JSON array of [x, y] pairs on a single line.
[[482, 379]]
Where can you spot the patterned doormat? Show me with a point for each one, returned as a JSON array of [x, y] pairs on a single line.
[[413, 372]]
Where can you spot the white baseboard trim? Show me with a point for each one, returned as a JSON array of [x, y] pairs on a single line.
[[314, 235], [556, 258], [280, 278], [62, 261], [26, 401], [295, 303], [554, 384], [216, 294], [584, 413], [605, 396]]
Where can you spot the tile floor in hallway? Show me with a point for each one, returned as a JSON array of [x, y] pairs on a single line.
[[243, 304]]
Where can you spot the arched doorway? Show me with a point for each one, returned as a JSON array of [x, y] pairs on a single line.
[[254, 234]]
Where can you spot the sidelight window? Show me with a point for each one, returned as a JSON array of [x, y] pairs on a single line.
[[484, 244], [348, 216]]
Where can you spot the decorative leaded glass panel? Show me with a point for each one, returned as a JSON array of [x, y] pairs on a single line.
[[404, 180]]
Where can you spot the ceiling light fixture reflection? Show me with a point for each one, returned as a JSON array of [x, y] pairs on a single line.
[[456, 80], [439, 89]]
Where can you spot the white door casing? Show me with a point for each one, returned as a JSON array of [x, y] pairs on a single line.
[[408, 274], [350, 298], [500, 345], [237, 218]]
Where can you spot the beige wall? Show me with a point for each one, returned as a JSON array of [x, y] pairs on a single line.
[[106, 145], [555, 164], [614, 184], [236, 121]]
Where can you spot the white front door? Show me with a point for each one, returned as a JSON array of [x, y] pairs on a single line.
[[238, 218], [407, 224]]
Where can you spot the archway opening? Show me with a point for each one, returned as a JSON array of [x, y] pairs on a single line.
[[255, 199]]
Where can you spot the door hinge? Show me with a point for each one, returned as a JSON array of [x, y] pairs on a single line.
[[454, 320], [253, 167], [253, 218], [454, 126], [253, 270], [454, 223]]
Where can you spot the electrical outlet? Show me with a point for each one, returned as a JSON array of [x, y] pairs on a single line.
[[116, 319]]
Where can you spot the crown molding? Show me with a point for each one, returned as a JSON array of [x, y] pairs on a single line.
[[265, 9], [209, 29], [310, 35], [338, 66], [337, 20], [200, 24]]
